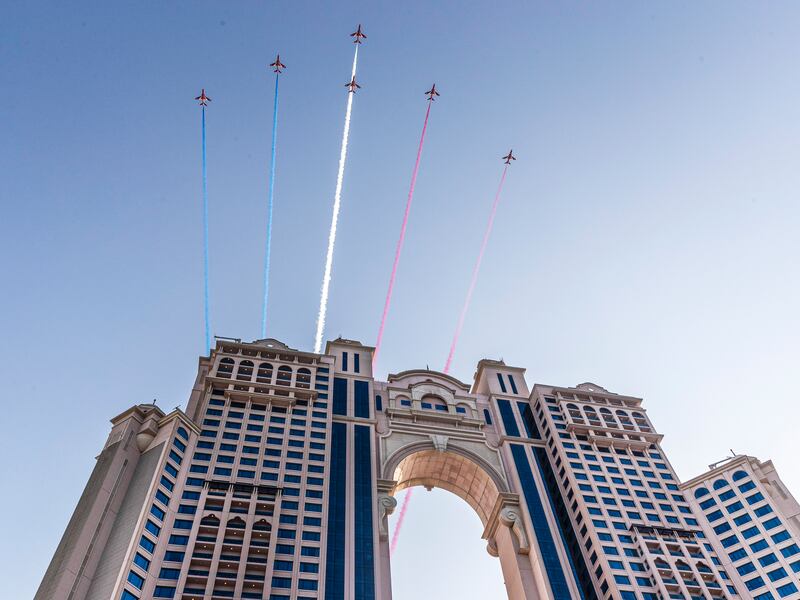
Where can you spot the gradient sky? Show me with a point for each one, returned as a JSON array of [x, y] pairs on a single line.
[[647, 239]]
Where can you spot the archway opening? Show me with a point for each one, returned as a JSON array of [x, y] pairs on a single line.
[[440, 551], [452, 472]]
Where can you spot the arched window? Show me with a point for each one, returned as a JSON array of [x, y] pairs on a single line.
[[183, 433], [210, 521], [700, 492], [264, 374], [262, 525], [608, 417], [703, 567], [591, 415], [575, 413], [303, 379], [625, 419], [245, 372], [236, 523], [720, 483], [431, 402], [641, 421], [462, 409], [739, 475], [225, 368], [284, 375]]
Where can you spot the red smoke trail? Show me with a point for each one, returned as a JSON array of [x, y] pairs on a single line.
[[475, 271], [403, 510], [399, 248]]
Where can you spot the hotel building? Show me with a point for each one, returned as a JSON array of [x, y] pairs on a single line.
[[276, 482]]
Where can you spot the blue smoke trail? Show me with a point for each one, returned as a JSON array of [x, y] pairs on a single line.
[[269, 208], [205, 236]]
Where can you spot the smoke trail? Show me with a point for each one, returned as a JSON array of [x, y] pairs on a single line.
[[337, 200], [205, 234], [400, 519], [400, 242], [475, 270], [269, 208]]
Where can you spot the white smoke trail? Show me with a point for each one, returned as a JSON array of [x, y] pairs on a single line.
[[337, 201]]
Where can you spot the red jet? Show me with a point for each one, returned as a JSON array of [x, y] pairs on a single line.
[[202, 98], [278, 65], [352, 86], [431, 93], [358, 35], [509, 157]]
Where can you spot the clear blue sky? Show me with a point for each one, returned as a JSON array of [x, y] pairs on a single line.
[[647, 239]]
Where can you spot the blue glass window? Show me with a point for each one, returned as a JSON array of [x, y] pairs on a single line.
[[501, 382], [135, 579], [337, 497], [339, 397], [364, 543], [507, 414], [527, 420], [513, 384], [361, 398]]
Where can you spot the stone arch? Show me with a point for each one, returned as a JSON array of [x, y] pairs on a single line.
[[475, 473], [449, 467]]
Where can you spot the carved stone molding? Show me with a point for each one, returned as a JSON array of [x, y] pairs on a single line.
[[439, 442], [386, 506], [507, 513], [512, 518]]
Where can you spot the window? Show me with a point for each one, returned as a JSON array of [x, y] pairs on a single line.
[[135, 579], [790, 550], [754, 584], [502, 383], [147, 544], [169, 573], [777, 574], [141, 562], [152, 528], [700, 492], [780, 536], [126, 595], [768, 559], [513, 384]]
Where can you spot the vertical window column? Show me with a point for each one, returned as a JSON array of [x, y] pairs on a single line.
[[361, 398], [509, 420], [364, 541], [337, 512], [339, 396], [541, 528]]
